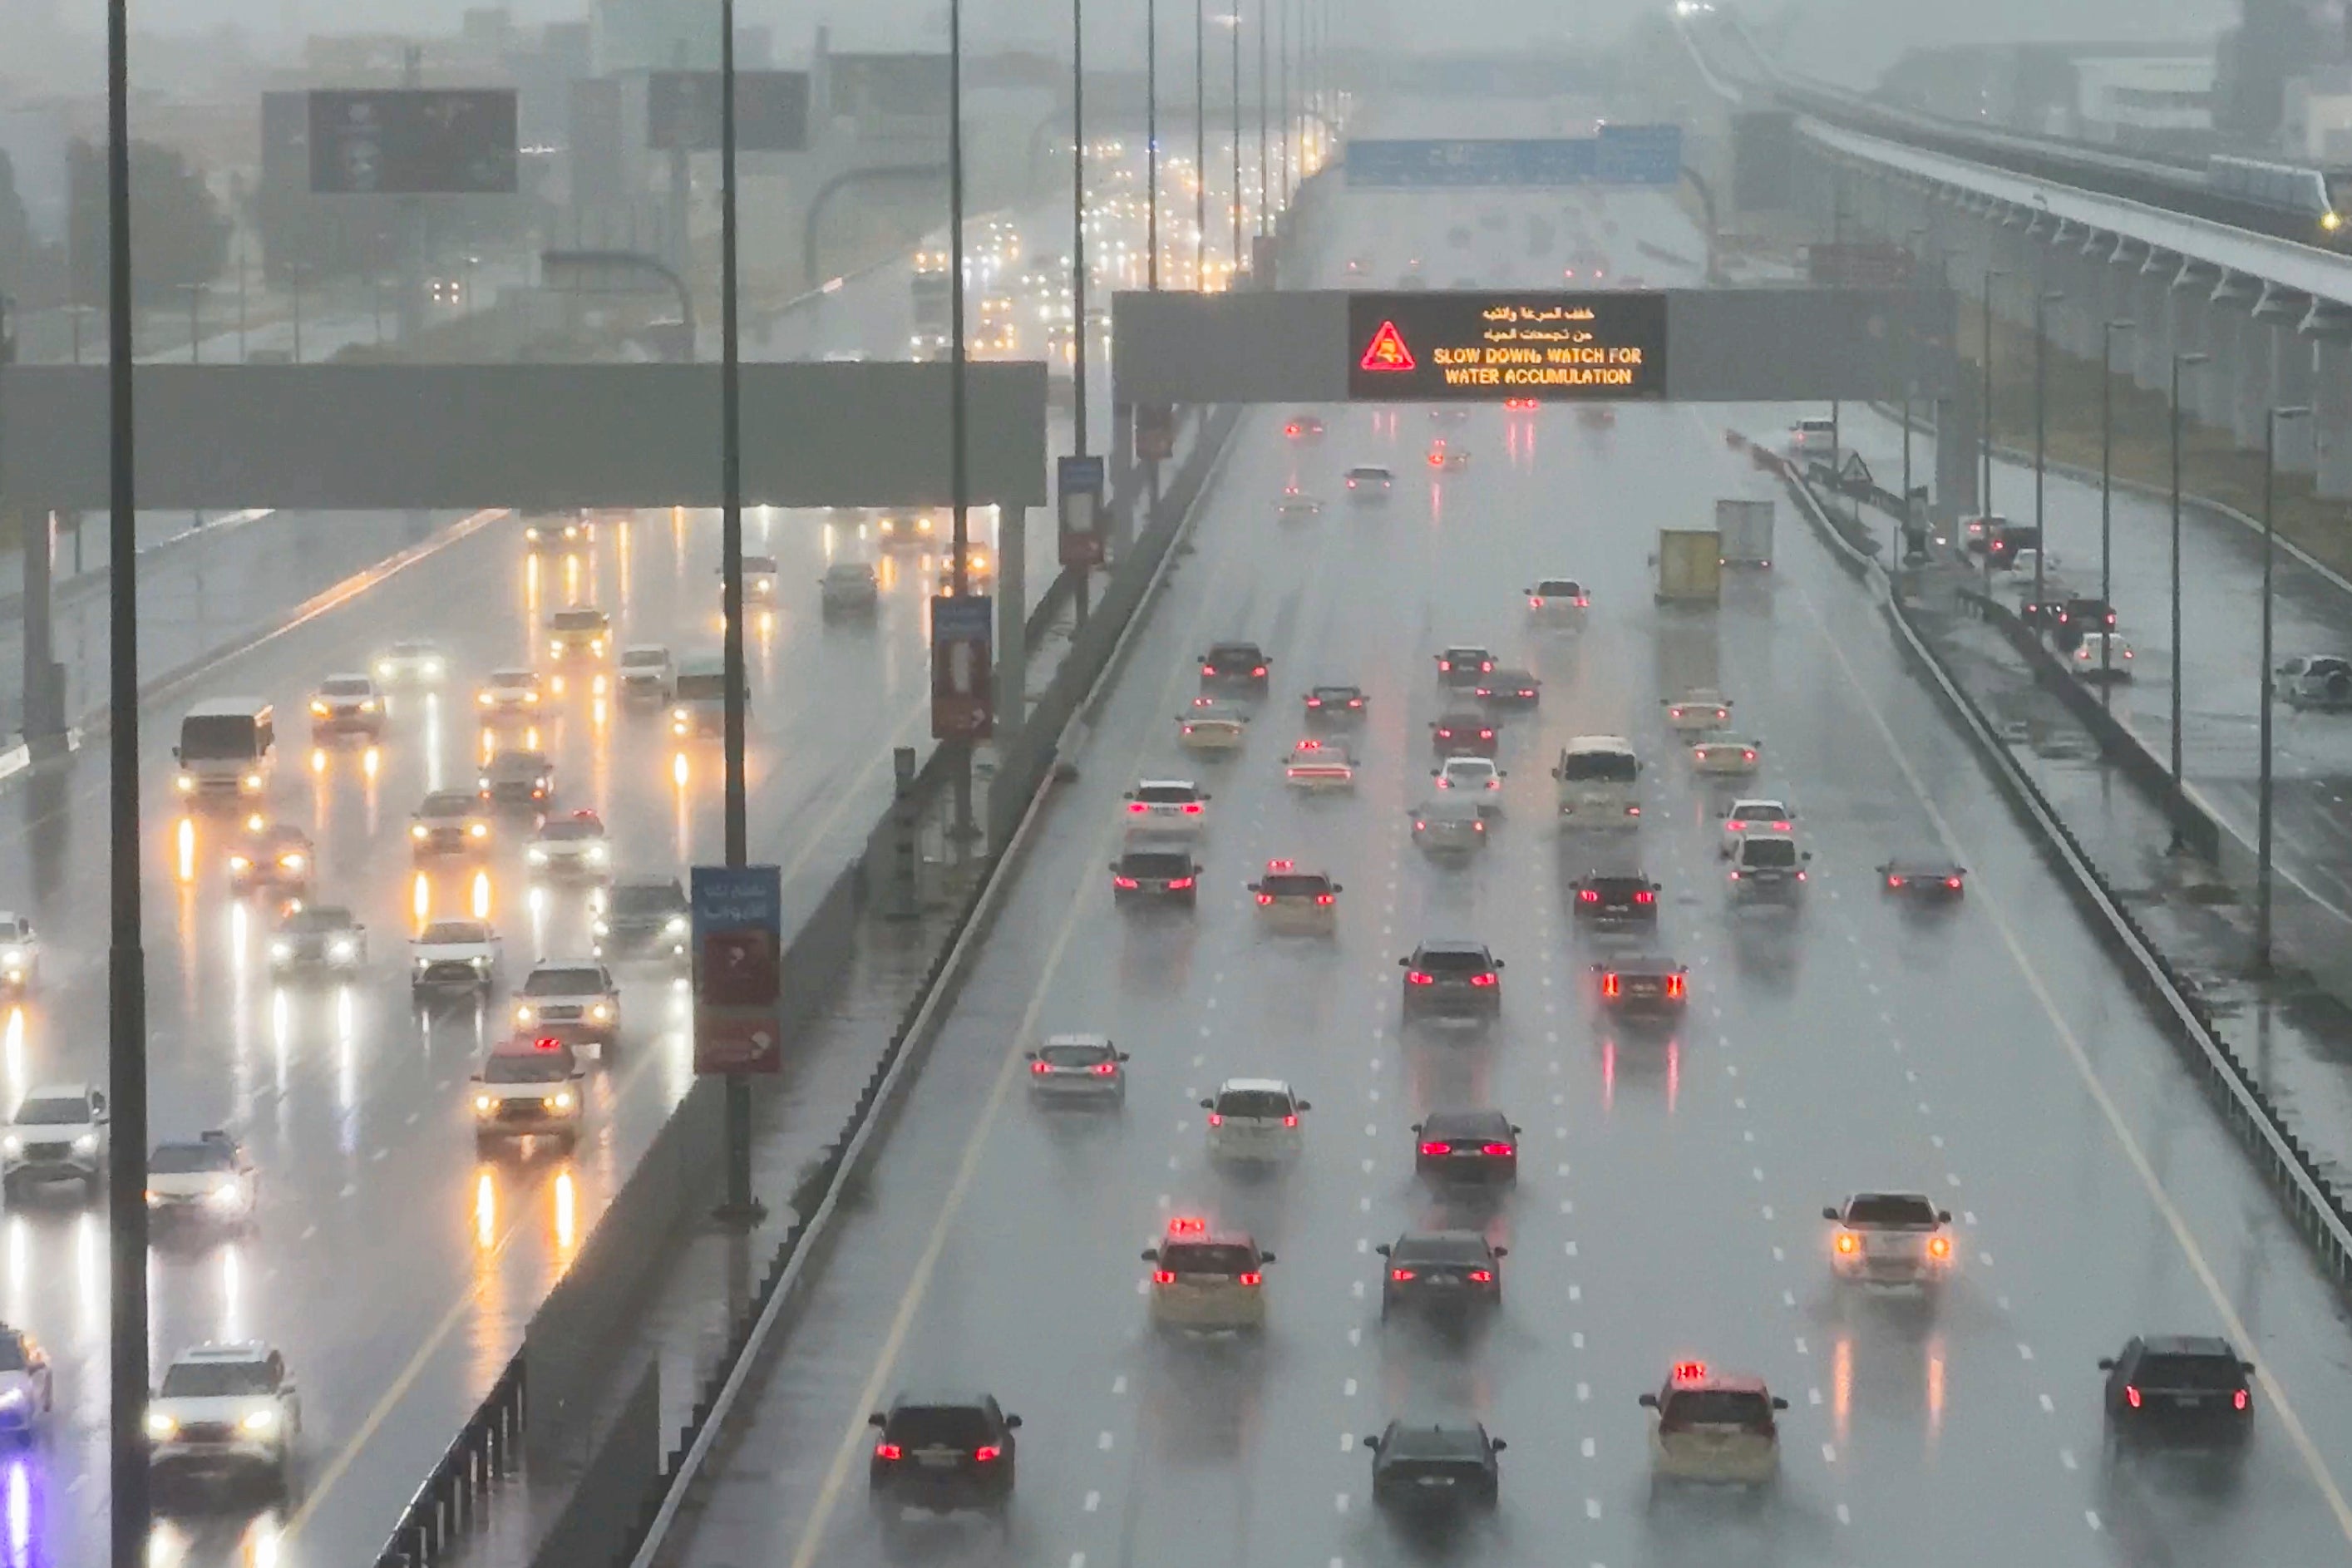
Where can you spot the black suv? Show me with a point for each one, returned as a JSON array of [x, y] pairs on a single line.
[[2178, 1391], [644, 917], [1449, 976], [1234, 667], [1617, 897], [2077, 614], [941, 1454], [1644, 985], [1442, 1271], [1155, 871], [1435, 1468], [1466, 1146], [1463, 664]]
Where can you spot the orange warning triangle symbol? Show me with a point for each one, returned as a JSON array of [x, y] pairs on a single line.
[[1387, 351]]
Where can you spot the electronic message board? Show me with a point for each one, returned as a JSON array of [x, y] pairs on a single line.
[[1474, 346]]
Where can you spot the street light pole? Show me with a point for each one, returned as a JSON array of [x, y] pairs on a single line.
[[1152, 143], [1984, 500], [1237, 27], [2261, 965], [1282, 93], [2178, 361], [1265, 191], [129, 1513], [1200, 144], [2107, 330], [2042, 299], [1077, 240]]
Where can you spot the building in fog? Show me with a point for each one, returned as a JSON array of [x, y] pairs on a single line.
[[2130, 94], [2146, 102], [2275, 43]]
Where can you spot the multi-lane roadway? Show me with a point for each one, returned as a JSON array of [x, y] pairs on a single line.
[[1670, 1187]]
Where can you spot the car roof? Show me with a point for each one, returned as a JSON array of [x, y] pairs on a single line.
[[1248, 647], [1744, 803], [1166, 783], [546, 964], [224, 1350], [1099, 1042], [664, 884], [942, 1399], [463, 797], [358, 675], [1335, 686], [1466, 1118], [1458, 1246], [228, 708], [1597, 743], [1634, 875], [1719, 1383], [514, 756], [1466, 648], [2187, 1345], [1463, 716], [1253, 1086], [1453, 944], [661, 648], [1644, 964], [1940, 863]]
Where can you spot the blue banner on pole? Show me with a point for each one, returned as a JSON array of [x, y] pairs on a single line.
[[739, 926], [1620, 155]]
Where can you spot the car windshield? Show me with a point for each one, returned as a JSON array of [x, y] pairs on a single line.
[[446, 802], [1167, 795], [527, 1066], [317, 922], [1257, 1102], [12, 1352], [54, 1110], [1768, 854], [1717, 1407], [1207, 1257], [568, 830], [1446, 960], [215, 1379], [191, 1158], [1890, 1209], [1558, 588], [510, 679], [345, 685], [578, 620], [564, 983], [1294, 885], [939, 1425], [703, 686], [2189, 1372], [644, 658], [1598, 767], [1070, 1056], [1155, 864], [446, 931], [640, 899], [2324, 667], [414, 650]]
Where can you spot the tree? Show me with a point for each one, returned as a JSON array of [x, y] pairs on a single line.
[[27, 267], [178, 234]]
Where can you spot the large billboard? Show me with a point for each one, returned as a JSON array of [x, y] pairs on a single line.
[[1478, 347], [413, 142], [772, 111], [1615, 155]]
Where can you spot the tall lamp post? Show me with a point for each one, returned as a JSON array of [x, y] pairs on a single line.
[[129, 1513], [1235, 23], [1078, 240], [1200, 144], [1265, 191], [2179, 361], [1984, 496], [2043, 299], [2107, 330], [2262, 795], [1152, 143]]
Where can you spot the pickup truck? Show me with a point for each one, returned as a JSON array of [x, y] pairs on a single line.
[[453, 959]]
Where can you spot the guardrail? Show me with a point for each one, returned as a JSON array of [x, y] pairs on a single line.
[[486, 1449], [2319, 1211]]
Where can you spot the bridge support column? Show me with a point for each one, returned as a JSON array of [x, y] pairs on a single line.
[[2244, 357], [2152, 308], [43, 720], [2196, 329], [1012, 620], [2329, 327], [2292, 383], [1959, 436]]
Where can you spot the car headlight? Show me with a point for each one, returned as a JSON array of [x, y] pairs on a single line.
[[292, 862], [536, 856], [186, 782], [479, 830], [560, 1100], [367, 705], [154, 1198], [225, 1195], [433, 667], [260, 1421], [161, 1425], [417, 830], [86, 1144], [555, 648], [484, 1104], [599, 853], [11, 1145], [599, 1012], [384, 670], [480, 961], [239, 863], [599, 928], [317, 708], [481, 699], [252, 782], [675, 926], [524, 1012], [281, 950], [342, 949], [486, 784]]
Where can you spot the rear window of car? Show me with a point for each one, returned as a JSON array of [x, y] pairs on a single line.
[[1717, 1407], [1559, 588], [1368, 473], [1617, 887], [1880, 1208], [563, 983], [441, 932], [1293, 885], [1207, 1257], [1333, 694], [1816, 426], [2189, 1372], [940, 1426], [1167, 795], [1446, 962], [644, 658], [446, 802], [1600, 767], [1768, 854], [1253, 1102], [1234, 653], [1155, 864], [1070, 1056], [1464, 1250]]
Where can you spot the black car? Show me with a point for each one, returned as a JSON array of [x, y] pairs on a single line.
[[1442, 1271], [941, 1454], [644, 917], [1155, 871], [2008, 538], [1463, 664], [1303, 428], [1435, 1469], [1452, 977], [1369, 482], [1234, 667], [1335, 704], [1466, 1146], [1931, 879], [1617, 897], [2178, 1391], [1462, 734], [1644, 985], [2078, 613], [1509, 689]]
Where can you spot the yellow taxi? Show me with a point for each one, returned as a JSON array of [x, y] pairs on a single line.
[[1714, 1429], [1207, 1281]]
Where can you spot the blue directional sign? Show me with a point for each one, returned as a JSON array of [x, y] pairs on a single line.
[[1620, 155]]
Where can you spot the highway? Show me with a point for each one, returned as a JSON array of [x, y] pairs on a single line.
[[1669, 1190], [395, 1269]]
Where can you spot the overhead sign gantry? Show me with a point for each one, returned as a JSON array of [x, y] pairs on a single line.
[[1472, 347]]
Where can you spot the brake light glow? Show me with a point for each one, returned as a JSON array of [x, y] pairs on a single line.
[[1939, 1247], [1893, 880], [1103, 1069], [1325, 900], [1252, 1278], [1188, 1225], [1535, 602], [1582, 601], [1124, 884], [1486, 734], [1690, 1372], [1192, 808], [2242, 1399], [1952, 882], [1178, 884], [1588, 895], [986, 1452], [1609, 984], [1136, 808], [1401, 1275], [1646, 897], [1039, 1068], [1291, 1119], [1437, 1148], [1500, 1150], [1675, 985], [1314, 702], [1208, 669], [1482, 1277], [1747, 753], [1216, 1119], [1290, 429], [1355, 703], [1259, 670], [1482, 980], [1419, 977], [1264, 899], [2131, 1395]]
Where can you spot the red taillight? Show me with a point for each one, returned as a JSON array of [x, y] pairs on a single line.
[[1039, 1068], [1252, 1278], [1163, 1276], [1582, 601], [1125, 884], [1482, 1277], [1355, 703], [2242, 1399], [1192, 808], [1137, 807], [1208, 669], [1103, 1069], [1259, 670], [1482, 980], [1953, 883], [1748, 755], [2131, 1395], [1500, 1150], [1264, 899], [1893, 880], [1290, 429], [1314, 702], [1418, 977], [1587, 895], [1486, 734], [986, 1452], [1326, 900], [1675, 984], [1420, 826], [1646, 897], [1445, 734], [1779, 827], [1444, 665], [1534, 603], [888, 1451], [1291, 1119], [1609, 986], [1216, 1119], [1179, 884], [1437, 1148], [1723, 713], [1401, 1275]]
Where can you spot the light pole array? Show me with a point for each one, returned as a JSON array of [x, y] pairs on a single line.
[[2179, 363], [2262, 795]]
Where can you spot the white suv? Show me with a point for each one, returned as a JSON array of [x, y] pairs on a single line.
[[226, 1412], [59, 1133]]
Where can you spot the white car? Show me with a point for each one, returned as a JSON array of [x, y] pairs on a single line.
[[1082, 1069], [1717, 1428], [1211, 727], [59, 1134], [1293, 901], [2025, 563], [452, 958], [2313, 680], [1727, 756], [206, 1181], [1473, 778], [1205, 1282], [1814, 437], [224, 1412], [323, 941], [527, 1086], [2103, 656], [577, 1002], [1698, 710], [1314, 764], [20, 955], [516, 777], [411, 664], [571, 849], [1167, 806], [1558, 601], [1253, 1118], [648, 674], [1890, 1241], [511, 694], [27, 1386], [1747, 816], [849, 588], [1448, 824]]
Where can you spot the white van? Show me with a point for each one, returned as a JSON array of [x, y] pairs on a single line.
[[227, 750], [1600, 783]]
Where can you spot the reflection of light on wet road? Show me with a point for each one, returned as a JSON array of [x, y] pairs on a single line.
[[12, 1043], [481, 895], [19, 1536], [420, 900], [89, 1275], [347, 1079], [433, 740], [281, 1037], [1841, 1386], [19, 1295], [232, 1318], [486, 1209], [1935, 1389], [567, 1219], [186, 840]]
